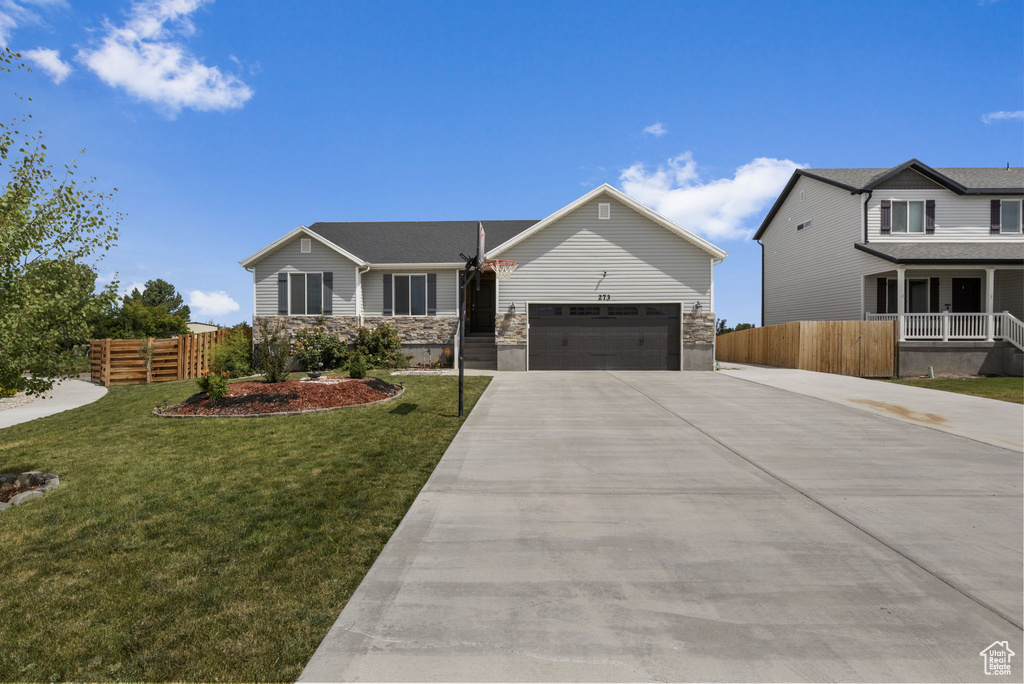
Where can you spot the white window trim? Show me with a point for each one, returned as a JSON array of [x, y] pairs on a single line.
[[892, 217], [426, 295], [305, 293], [1020, 217], [604, 211], [305, 245]]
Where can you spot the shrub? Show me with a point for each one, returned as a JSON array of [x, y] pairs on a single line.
[[380, 346], [357, 366], [214, 384], [273, 351], [234, 355], [318, 348], [5, 393]]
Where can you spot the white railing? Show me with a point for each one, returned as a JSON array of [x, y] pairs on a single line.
[[1011, 329], [957, 326]]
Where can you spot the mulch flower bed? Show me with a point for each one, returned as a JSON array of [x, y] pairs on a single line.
[[292, 396], [9, 491]]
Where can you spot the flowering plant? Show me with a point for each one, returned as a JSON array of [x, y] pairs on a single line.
[[317, 348]]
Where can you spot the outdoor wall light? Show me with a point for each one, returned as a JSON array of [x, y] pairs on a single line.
[[696, 307], [512, 308]]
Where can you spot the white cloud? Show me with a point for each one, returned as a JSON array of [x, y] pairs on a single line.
[[212, 304], [146, 57], [656, 129], [49, 61], [128, 289], [15, 13], [717, 209], [994, 117]]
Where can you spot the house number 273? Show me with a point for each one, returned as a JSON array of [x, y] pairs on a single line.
[[603, 297]]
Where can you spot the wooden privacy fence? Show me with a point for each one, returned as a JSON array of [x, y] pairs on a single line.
[[862, 348], [122, 362]]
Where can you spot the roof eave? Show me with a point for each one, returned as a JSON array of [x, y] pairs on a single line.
[[301, 230], [912, 261]]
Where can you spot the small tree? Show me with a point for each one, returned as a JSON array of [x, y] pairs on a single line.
[[357, 366], [50, 226], [273, 351], [234, 355]]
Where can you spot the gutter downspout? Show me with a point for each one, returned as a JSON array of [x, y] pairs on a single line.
[[359, 299], [762, 282], [865, 212]]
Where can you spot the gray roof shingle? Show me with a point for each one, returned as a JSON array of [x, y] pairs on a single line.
[[416, 242], [1001, 252], [970, 178]]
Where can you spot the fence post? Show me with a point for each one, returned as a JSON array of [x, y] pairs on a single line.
[[149, 361], [106, 362]]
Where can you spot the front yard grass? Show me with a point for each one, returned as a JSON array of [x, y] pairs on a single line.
[[203, 549], [1004, 389]]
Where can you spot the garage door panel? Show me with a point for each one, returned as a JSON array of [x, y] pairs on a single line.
[[604, 337]]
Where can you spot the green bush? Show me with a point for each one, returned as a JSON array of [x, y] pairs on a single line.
[[381, 346], [5, 393], [273, 352], [357, 366], [214, 384], [234, 355], [317, 348]]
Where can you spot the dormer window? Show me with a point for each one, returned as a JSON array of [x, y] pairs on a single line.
[[907, 217]]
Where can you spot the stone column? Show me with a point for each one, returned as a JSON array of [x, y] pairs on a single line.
[[698, 341]]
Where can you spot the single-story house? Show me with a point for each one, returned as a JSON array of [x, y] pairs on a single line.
[[602, 283]]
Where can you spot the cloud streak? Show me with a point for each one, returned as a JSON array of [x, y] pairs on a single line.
[[211, 304], [17, 13], [147, 58], [656, 129], [719, 209], [996, 117], [49, 61]]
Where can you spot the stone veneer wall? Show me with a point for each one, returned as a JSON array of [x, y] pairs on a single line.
[[412, 330], [698, 341], [510, 328]]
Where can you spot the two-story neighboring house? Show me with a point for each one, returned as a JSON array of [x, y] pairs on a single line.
[[939, 250]]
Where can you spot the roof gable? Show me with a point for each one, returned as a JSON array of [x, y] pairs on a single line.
[[300, 231], [625, 199]]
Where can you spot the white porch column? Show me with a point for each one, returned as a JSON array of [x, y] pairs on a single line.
[[990, 287], [901, 303]]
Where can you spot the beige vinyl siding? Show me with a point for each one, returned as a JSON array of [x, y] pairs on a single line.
[[645, 262], [958, 218], [289, 258], [945, 277], [373, 290], [814, 274], [1010, 292]]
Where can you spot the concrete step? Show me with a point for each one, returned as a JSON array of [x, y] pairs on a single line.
[[481, 365], [480, 355]]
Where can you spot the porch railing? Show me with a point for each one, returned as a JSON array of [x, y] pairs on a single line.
[[956, 326]]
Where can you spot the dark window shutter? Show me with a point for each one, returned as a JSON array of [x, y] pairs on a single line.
[[886, 217], [431, 294], [882, 297], [387, 295], [929, 217], [328, 293], [933, 294], [282, 294], [994, 216]]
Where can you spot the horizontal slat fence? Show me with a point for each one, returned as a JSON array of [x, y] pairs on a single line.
[[861, 348], [121, 362]]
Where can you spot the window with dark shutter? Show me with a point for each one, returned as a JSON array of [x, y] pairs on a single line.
[[297, 295], [328, 304], [314, 294], [929, 217], [282, 294], [886, 217], [431, 294], [401, 295], [388, 307], [994, 216]]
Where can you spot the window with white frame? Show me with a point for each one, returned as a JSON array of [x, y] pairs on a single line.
[[305, 294], [915, 295], [1009, 216], [410, 295], [907, 216]]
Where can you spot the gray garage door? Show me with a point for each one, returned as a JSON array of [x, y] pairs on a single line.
[[604, 337]]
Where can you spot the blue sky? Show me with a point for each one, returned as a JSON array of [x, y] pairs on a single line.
[[226, 124]]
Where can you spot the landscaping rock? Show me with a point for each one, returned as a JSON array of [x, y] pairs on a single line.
[[8, 479], [32, 478], [52, 482], [3, 505], [25, 496]]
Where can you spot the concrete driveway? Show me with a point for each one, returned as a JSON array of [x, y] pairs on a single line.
[[691, 526]]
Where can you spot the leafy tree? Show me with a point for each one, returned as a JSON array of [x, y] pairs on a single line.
[[161, 293], [745, 326], [720, 328], [51, 226]]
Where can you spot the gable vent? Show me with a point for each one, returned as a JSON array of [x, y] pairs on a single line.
[[306, 245], [604, 210]]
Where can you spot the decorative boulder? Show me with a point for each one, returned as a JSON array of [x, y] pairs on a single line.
[[19, 499], [32, 478]]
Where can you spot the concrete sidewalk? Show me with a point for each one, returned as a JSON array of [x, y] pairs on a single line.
[[689, 527], [999, 423], [65, 395]]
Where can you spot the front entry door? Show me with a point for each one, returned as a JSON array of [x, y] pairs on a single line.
[[481, 306], [966, 295]]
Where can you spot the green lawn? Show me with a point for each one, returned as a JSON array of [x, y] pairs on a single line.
[[203, 549], [1004, 389]]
